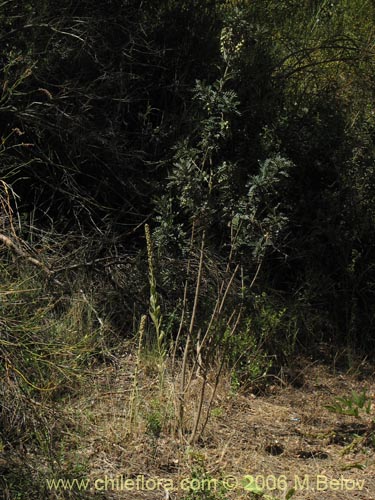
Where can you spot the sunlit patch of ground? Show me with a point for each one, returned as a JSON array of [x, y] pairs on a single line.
[[283, 438]]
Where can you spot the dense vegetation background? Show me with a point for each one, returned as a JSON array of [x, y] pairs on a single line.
[[241, 130]]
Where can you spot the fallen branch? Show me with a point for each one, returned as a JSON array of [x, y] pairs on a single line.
[[21, 253]]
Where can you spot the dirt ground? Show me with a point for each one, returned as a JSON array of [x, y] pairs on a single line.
[[282, 437]]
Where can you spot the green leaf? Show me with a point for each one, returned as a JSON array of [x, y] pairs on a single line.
[[250, 485], [290, 493], [356, 465]]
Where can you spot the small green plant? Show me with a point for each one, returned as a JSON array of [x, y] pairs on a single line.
[[217, 412], [249, 361], [357, 405], [353, 405], [249, 485], [202, 486], [235, 384], [158, 416], [154, 423]]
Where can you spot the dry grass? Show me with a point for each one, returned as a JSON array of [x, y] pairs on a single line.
[[286, 432]]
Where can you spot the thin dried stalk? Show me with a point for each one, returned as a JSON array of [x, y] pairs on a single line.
[[217, 379], [217, 310], [184, 302], [188, 340]]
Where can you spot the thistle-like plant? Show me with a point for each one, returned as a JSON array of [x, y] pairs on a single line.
[[352, 405]]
